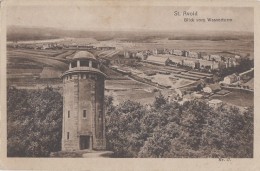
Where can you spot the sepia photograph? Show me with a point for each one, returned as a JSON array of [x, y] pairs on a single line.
[[111, 81]]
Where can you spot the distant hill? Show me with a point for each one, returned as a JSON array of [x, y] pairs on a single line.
[[18, 33]]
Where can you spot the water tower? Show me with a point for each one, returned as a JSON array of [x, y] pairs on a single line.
[[83, 104]]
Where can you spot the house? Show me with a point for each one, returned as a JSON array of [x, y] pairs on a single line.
[[185, 53], [237, 57], [231, 79], [140, 55], [178, 52], [126, 54], [191, 63], [154, 51], [206, 57], [231, 62], [215, 103], [221, 65], [215, 58], [212, 88], [175, 60], [193, 54]]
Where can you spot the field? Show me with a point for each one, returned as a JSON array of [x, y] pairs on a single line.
[[123, 90], [238, 98], [37, 59]]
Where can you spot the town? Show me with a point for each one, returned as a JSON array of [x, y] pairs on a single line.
[[178, 74]]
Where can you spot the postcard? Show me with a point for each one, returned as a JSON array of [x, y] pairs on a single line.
[[129, 85]]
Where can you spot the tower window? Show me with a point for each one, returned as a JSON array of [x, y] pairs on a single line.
[[74, 64], [84, 114], [94, 65], [70, 76], [100, 115], [68, 114], [68, 135], [84, 63]]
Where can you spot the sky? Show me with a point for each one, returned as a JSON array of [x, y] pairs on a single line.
[[107, 18]]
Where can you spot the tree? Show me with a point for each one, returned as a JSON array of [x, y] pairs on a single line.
[[34, 122], [159, 101], [168, 129]]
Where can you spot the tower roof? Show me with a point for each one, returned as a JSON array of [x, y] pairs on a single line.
[[84, 55]]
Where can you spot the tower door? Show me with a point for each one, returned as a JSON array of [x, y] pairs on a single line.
[[84, 142]]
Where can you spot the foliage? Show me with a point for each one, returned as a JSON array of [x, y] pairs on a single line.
[[34, 122], [162, 129], [168, 129]]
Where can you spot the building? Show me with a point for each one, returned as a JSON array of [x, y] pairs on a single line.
[[154, 51], [231, 79], [175, 60], [178, 52], [215, 103], [126, 54], [215, 58], [83, 104], [185, 53], [193, 54], [157, 60], [191, 63], [205, 57], [205, 64], [140, 55]]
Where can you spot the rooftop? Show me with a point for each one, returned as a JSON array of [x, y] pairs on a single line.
[[215, 101], [84, 55]]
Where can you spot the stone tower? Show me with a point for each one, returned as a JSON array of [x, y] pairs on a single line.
[[83, 104]]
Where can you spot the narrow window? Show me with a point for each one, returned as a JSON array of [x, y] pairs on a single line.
[[68, 114], [70, 76], [84, 114], [100, 115], [68, 135]]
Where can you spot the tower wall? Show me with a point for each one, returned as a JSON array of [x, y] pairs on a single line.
[[83, 93]]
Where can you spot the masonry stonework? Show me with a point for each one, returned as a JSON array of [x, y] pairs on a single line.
[[83, 104]]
